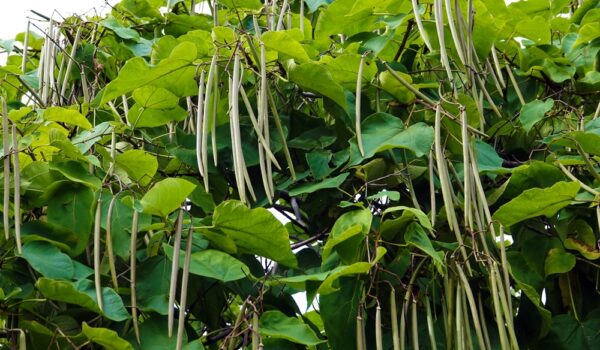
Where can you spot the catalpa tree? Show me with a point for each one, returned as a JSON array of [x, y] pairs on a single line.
[[436, 161]]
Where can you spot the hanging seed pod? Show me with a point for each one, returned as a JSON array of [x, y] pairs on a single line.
[[109, 245], [471, 300], [199, 122], [264, 116], [482, 317], [7, 155], [432, 190], [206, 111], [184, 287], [174, 271], [455, 37], [360, 333], [516, 86], [467, 173], [70, 58], [415, 326], [255, 332], [25, 48], [17, 189], [439, 25], [133, 274], [424, 36], [357, 116], [394, 320], [284, 7], [286, 150], [97, 276], [430, 327], [215, 13], [234, 122], [378, 330], [498, 68], [498, 310], [302, 16]]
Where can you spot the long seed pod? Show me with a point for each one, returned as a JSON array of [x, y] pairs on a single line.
[[360, 333], [504, 263], [17, 189], [255, 332], [394, 316], [174, 271], [206, 111], [97, 281], [284, 7], [264, 115], [378, 329], [415, 326], [471, 300], [286, 150], [459, 319], [498, 310], [482, 317], [184, 287], [498, 68], [109, 246], [403, 325], [445, 182], [133, 274], [417, 15], [234, 121], [25, 48], [504, 303], [515, 85], [357, 117], [439, 25], [432, 200], [7, 155], [448, 307], [494, 78], [268, 14], [67, 75], [455, 37], [215, 13], [199, 122], [259, 133], [466, 173], [430, 327]]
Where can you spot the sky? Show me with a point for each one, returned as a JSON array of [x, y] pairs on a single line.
[[14, 14]]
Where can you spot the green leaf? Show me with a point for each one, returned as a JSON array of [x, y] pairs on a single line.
[[419, 214], [317, 78], [344, 70], [76, 172], [570, 333], [284, 43], [154, 276], [166, 196], [417, 237], [335, 19], [150, 118], [254, 231], [537, 201], [213, 264], [536, 29], [588, 252], [339, 238], [119, 29], [275, 324], [381, 132], [559, 261], [71, 208], [533, 112], [359, 268], [83, 293], [588, 33], [139, 165], [108, 338], [149, 96], [395, 88], [137, 73], [347, 245], [48, 260], [488, 159], [334, 182], [67, 116]]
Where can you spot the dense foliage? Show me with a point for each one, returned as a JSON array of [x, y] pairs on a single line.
[[437, 162]]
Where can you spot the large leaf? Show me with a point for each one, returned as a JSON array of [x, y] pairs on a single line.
[[166, 196], [533, 112], [254, 231], [139, 165], [417, 237], [559, 261], [334, 182], [137, 73], [72, 209], [286, 44], [67, 116], [275, 324], [149, 96], [108, 338], [214, 264], [381, 132], [83, 293], [316, 78], [48, 260], [537, 201]]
